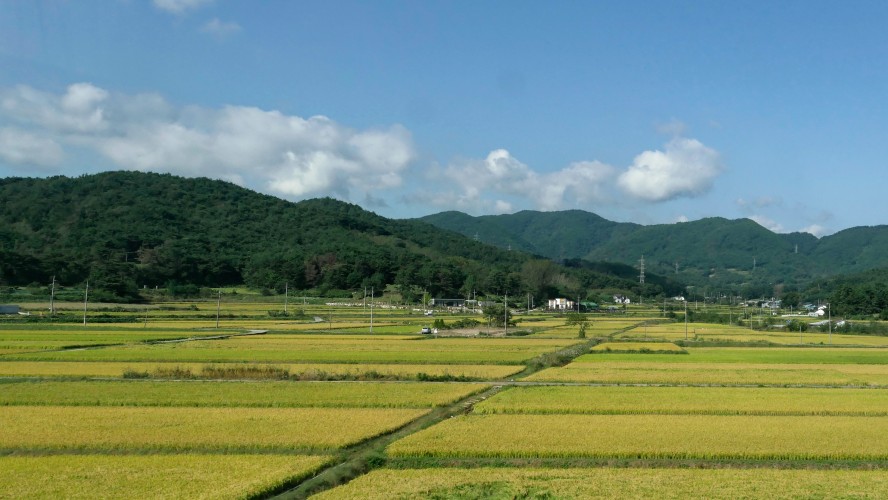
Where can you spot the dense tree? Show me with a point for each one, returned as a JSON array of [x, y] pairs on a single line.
[[126, 230]]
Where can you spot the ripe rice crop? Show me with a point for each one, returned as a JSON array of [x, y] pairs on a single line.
[[150, 476], [505, 482], [716, 373], [193, 429], [686, 401], [77, 335], [658, 347], [235, 394], [719, 333], [309, 371], [651, 436], [254, 349], [780, 355]]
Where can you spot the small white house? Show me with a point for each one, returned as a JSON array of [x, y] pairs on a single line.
[[561, 304], [621, 299]]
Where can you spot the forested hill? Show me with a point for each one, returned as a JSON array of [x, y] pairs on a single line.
[[125, 230], [714, 252]]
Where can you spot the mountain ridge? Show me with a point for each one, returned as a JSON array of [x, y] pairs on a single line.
[[711, 252], [128, 230]]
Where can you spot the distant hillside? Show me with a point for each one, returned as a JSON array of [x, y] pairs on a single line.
[[723, 255], [125, 230]]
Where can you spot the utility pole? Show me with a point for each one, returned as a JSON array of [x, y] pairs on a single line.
[[506, 313], [829, 320], [85, 301], [372, 295], [286, 295], [218, 307], [52, 298], [686, 319]]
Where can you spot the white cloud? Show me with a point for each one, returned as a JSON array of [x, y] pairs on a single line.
[[758, 203], [502, 207], [815, 229], [220, 29], [81, 109], [503, 174], [268, 150], [767, 223], [685, 168], [180, 6], [22, 148], [673, 127], [682, 218]]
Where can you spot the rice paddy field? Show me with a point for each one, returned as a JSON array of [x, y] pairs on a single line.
[[136, 429], [321, 349], [606, 482], [702, 333], [309, 371], [160, 400], [187, 475]]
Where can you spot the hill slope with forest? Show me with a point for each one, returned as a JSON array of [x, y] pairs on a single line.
[[127, 230], [736, 255]]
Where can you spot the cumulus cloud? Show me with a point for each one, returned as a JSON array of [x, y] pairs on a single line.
[[500, 173], [685, 168], [180, 6], [22, 148], [768, 223], [286, 154], [220, 29], [815, 229], [81, 109]]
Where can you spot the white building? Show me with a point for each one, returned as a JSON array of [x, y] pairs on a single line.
[[561, 304], [621, 299]]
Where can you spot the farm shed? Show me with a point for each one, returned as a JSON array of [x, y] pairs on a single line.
[[9, 309]]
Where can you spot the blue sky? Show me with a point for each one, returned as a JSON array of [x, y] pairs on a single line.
[[652, 112]]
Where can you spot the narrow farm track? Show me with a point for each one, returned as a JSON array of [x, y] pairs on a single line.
[[362, 458]]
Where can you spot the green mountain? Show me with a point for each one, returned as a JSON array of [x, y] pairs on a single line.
[[127, 230], [720, 255]]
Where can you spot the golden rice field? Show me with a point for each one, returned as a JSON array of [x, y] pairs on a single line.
[[767, 374], [184, 432], [686, 401], [604, 482], [713, 332], [257, 349], [150, 476], [117, 369], [572, 332], [76, 334], [75, 428], [664, 347], [651, 436], [780, 355], [234, 394]]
